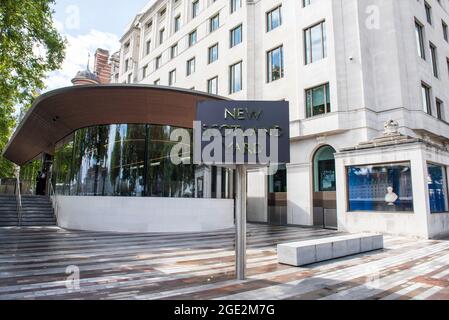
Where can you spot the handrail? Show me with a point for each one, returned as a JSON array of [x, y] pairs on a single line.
[[19, 201], [54, 201]]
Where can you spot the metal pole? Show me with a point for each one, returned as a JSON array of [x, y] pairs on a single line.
[[240, 226]]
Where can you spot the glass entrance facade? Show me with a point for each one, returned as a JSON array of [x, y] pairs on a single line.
[[129, 160]]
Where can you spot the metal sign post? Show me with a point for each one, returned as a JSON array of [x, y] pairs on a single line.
[[240, 225], [260, 118]]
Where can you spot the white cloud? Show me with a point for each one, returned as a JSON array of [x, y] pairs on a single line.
[[78, 48]]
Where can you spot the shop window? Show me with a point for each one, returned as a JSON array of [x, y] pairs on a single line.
[[437, 184], [380, 187]]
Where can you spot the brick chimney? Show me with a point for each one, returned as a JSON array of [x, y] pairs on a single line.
[[102, 68]]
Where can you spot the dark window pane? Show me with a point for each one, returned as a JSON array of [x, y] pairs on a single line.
[[383, 187], [437, 188]]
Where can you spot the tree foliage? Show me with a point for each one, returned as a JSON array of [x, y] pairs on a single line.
[[30, 47]]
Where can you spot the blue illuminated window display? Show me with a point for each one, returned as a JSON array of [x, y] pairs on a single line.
[[436, 181], [380, 187]]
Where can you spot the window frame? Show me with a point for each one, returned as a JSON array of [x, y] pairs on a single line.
[[327, 97], [269, 27], [231, 79], [189, 64], [209, 61], [231, 35], [308, 42], [269, 60]]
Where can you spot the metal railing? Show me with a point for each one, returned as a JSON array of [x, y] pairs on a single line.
[[19, 201], [54, 200]]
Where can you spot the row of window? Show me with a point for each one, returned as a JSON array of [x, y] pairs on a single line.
[[426, 93], [235, 78], [429, 17], [426, 90], [419, 32], [315, 48], [214, 21]]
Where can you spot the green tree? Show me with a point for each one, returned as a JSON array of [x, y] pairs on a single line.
[[30, 47]]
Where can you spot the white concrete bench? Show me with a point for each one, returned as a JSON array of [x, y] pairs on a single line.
[[311, 251]]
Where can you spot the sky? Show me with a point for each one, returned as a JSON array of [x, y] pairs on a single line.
[[88, 25]]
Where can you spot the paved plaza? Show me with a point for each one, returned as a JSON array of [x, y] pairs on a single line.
[[35, 263]]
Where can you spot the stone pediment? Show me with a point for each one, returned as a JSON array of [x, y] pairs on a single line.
[[391, 137]]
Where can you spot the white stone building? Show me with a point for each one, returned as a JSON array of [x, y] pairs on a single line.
[[346, 67]]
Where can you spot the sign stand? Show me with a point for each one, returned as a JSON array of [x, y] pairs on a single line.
[[240, 226]]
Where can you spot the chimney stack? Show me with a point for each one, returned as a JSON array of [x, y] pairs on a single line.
[[102, 68]]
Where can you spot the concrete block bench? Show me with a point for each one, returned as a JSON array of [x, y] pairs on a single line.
[[312, 251]]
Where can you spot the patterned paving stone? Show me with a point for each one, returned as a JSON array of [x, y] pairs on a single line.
[[34, 262]]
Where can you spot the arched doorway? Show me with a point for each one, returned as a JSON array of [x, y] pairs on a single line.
[[324, 188]]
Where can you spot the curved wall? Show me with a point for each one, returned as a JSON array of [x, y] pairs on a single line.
[[127, 214]]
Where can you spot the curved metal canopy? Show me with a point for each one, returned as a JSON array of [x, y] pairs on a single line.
[[58, 113]]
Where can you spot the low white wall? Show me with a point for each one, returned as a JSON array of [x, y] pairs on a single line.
[[133, 214], [439, 225]]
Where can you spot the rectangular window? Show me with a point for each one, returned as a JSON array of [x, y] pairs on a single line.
[[235, 78], [212, 85], [434, 58], [177, 23], [214, 23], [148, 47], [437, 186], [445, 31], [192, 38], [173, 51], [213, 53], [315, 43], [195, 8], [130, 78], [158, 62], [190, 66], [126, 64], [274, 18], [428, 12], [447, 63], [172, 77], [161, 35], [419, 32], [318, 101], [306, 3], [426, 99], [235, 5], [440, 109], [236, 36], [380, 187], [275, 64], [144, 72]]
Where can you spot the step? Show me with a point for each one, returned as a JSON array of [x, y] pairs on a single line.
[[37, 215], [38, 224], [8, 224], [9, 219], [5, 216]]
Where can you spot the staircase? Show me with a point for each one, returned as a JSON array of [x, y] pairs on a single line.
[[36, 211]]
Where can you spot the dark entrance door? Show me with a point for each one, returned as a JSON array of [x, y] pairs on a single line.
[[277, 197], [324, 195]]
